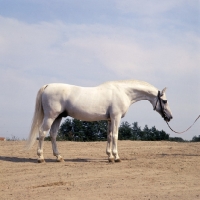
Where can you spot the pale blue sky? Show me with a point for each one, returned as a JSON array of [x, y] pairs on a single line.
[[89, 42]]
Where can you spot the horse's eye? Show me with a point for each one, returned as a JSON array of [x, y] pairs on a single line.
[[164, 101]]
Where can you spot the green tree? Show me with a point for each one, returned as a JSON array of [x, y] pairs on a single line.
[[125, 131], [176, 139], [144, 135], [196, 139], [136, 131], [77, 130], [164, 135]]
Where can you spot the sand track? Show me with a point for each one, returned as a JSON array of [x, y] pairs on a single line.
[[149, 170]]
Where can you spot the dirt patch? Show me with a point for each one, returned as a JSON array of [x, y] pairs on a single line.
[[60, 183], [149, 170]]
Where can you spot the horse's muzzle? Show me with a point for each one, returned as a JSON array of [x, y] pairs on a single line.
[[167, 119]]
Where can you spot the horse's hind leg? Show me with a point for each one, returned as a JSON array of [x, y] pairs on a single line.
[[47, 122], [109, 143], [53, 134]]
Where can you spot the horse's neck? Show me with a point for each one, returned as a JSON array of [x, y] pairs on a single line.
[[141, 92]]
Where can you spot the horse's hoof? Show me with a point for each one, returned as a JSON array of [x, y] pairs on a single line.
[[41, 161], [118, 160], [59, 160], [111, 160]]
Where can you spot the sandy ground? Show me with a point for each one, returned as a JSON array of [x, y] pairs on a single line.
[[149, 170]]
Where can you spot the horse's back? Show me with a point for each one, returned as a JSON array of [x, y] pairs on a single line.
[[86, 103]]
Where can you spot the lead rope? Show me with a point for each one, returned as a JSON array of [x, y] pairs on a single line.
[[186, 129]]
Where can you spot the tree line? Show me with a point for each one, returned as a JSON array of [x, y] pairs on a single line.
[[77, 130]]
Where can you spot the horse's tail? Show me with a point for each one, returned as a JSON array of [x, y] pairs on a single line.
[[37, 119]]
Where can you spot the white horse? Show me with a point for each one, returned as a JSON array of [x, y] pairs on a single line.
[[109, 101]]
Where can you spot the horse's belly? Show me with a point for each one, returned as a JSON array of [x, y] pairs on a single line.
[[88, 114]]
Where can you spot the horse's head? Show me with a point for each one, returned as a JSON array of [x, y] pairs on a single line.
[[162, 107]]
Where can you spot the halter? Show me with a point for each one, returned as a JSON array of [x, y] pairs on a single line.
[[164, 115], [157, 100], [162, 109]]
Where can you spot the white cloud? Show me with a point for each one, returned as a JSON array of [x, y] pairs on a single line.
[[54, 51], [35, 54], [49, 45]]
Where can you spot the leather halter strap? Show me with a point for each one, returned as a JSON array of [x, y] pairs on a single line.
[[161, 106], [157, 100]]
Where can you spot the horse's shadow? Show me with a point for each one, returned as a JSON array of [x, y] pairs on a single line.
[[17, 159], [31, 160], [177, 154]]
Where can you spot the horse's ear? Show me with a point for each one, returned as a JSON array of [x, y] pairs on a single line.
[[163, 91]]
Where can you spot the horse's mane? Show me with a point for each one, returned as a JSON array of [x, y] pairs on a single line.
[[131, 82]]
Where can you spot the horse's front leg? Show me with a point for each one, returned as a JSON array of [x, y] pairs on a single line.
[[109, 143], [53, 134], [115, 125]]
